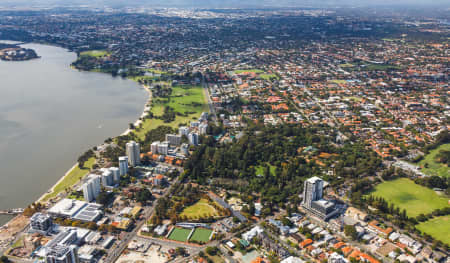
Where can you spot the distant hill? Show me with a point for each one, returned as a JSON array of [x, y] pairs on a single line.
[[220, 3]]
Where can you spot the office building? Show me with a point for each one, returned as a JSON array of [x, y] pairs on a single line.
[[92, 188], [313, 201], [62, 248], [41, 222], [62, 254], [193, 138], [123, 165], [203, 128], [77, 210], [133, 153], [183, 131], [173, 139]]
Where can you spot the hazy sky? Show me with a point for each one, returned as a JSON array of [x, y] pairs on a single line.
[[226, 3]]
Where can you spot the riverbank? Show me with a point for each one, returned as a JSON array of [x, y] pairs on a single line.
[[44, 199], [147, 108]]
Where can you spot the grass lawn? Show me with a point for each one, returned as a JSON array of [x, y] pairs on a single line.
[[150, 124], [268, 76], [260, 169], [199, 209], [189, 99], [438, 227], [216, 259], [346, 65], [435, 168], [72, 178], [240, 71], [338, 81], [180, 234], [95, 53], [201, 235], [405, 194], [186, 99], [353, 98], [381, 67], [155, 71], [18, 243]]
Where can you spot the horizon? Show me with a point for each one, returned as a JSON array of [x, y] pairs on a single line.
[[208, 4]]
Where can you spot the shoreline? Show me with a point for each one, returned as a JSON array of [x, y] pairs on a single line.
[[127, 131]]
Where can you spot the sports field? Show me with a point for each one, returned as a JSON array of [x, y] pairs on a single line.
[[201, 235], [405, 194], [180, 234], [200, 209], [435, 168], [438, 227]]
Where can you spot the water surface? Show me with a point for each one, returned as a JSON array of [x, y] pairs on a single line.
[[50, 114]]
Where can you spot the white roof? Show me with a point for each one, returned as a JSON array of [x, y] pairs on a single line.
[[292, 259], [67, 207], [313, 179]]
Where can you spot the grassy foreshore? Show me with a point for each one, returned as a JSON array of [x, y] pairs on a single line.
[[73, 176]]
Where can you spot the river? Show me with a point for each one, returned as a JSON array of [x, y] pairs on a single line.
[[50, 114]]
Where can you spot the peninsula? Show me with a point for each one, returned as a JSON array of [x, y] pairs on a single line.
[[16, 53]]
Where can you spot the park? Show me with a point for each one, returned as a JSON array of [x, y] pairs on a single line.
[[198, 210], [188, 102], [414, 198]]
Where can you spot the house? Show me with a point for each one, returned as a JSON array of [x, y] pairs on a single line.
[[336, 258], [306, 242], [292, 259], [406, 258]]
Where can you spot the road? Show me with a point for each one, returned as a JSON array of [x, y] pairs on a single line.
[[117, 249], [212, 110], [226, 205]]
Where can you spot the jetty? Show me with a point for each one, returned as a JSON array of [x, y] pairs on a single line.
[[14, 211]]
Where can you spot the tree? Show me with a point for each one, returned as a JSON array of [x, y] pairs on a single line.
[[143, 195], [351, 232], [103, 198], [180, 251], [212, 251]]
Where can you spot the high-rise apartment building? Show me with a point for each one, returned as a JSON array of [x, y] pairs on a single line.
[[92, 188], [123, 165], [173, 139], [133, 153], [313, 201]]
